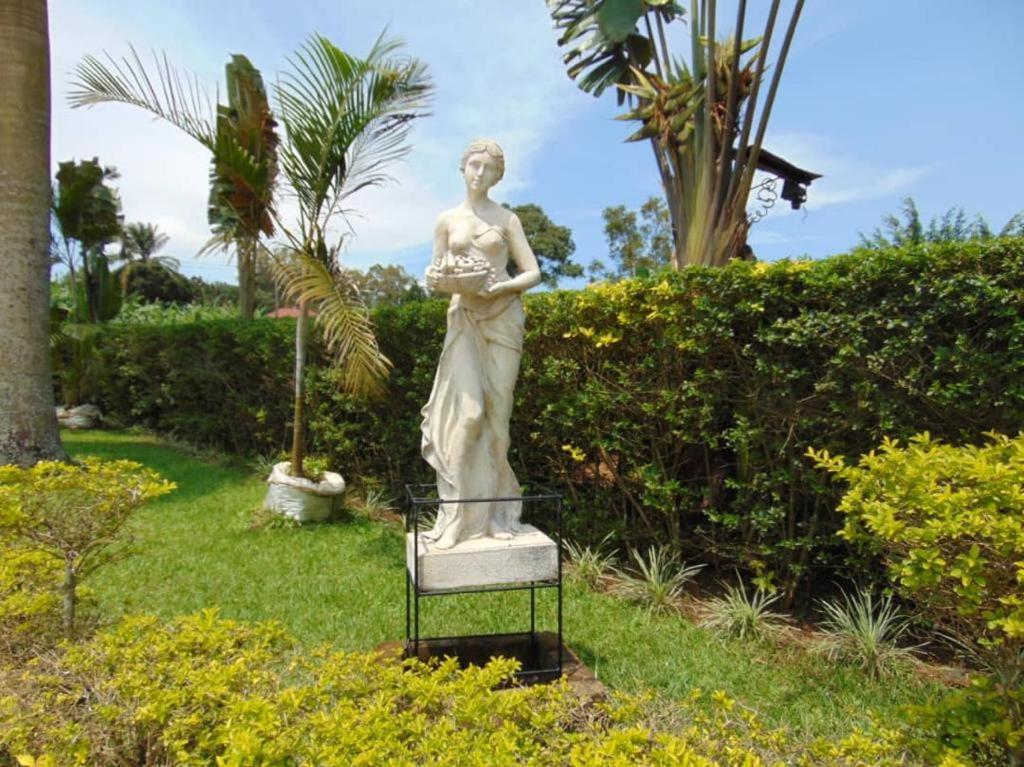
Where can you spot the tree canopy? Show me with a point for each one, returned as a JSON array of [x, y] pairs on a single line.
[[551, 243]]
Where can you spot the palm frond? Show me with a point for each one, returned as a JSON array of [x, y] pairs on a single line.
[[346, 118], [178, 98], [344, 318]]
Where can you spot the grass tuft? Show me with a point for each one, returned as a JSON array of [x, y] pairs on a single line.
[[656, 580], [743, 614], [590, 565], [864, 631]]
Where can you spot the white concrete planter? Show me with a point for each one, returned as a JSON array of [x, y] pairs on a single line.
[[302, 499], [81, 417]]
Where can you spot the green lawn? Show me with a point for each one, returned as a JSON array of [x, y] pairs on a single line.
[[342, 583]]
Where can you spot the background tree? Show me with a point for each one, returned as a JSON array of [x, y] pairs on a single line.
[[87, 213], [386, 285], [240, 137], [143, 241], [244, 175], [952, 226], [213, 294], [552, 244], [152, 282], [637, 244], [698, 117], [346, 119], [28, 425]]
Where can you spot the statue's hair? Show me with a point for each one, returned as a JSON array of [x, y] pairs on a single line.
[[490, 146]]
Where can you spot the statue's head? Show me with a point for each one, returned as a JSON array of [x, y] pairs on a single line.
[[483, 163]]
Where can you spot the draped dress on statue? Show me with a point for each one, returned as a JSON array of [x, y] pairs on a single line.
[[465, 430]]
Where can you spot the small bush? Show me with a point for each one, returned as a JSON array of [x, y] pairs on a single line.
[[71, 513], [949, 524], [865, 631], [743, 614], [656, 580]]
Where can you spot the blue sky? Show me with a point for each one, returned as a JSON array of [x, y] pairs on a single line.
[[885, 99]]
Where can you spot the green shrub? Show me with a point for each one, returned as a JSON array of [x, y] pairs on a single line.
[[949, 524], [589, 565], [203, 690], [675, 409]]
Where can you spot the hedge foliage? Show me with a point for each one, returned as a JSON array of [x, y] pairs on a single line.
[[202, 690], [676, 408]]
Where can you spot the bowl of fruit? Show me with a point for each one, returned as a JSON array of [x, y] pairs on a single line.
[[460, 274]]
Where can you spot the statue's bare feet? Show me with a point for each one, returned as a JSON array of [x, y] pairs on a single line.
[[504, 536]]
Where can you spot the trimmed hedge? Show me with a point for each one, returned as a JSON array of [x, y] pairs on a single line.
[[677, 407]]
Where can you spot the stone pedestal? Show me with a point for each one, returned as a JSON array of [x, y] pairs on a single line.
[[484, 562]]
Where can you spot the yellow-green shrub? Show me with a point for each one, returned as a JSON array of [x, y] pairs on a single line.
[[949, 523], [202, 690], [64, 516]]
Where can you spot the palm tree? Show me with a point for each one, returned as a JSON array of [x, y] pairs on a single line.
[[239, 136], [346, 119], [87, 215], [141, 241], [28, 424]]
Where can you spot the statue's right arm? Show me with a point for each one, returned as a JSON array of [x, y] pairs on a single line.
[[440, 248]]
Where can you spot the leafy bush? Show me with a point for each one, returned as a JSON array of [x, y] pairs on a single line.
[[203, 690], [673, 409], [949, 524], [70, 513], [742, 614]]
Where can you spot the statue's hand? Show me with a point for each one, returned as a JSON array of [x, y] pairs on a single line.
[[495, 290], [430, 277]]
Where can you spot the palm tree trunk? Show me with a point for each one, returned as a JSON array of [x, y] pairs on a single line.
[[28, 424], [298, 432], [246, 278]]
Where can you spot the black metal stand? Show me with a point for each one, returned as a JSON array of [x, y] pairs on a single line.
[[539, 661]]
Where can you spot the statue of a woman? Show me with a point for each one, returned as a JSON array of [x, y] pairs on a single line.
[[465, 422]]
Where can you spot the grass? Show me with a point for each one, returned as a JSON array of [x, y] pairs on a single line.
[[343, 584]]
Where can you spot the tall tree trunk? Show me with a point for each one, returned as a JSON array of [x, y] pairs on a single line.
[[28, 424], [246, 278], [298, 432]]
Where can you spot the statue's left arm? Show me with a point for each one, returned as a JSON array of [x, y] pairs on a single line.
[[520, 252]]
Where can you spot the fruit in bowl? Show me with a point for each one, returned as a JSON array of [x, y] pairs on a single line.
[[461, 274]]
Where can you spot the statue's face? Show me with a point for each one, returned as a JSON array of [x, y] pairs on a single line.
[[481, 171]]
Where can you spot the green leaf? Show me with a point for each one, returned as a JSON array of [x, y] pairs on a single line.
[[617, 18]]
